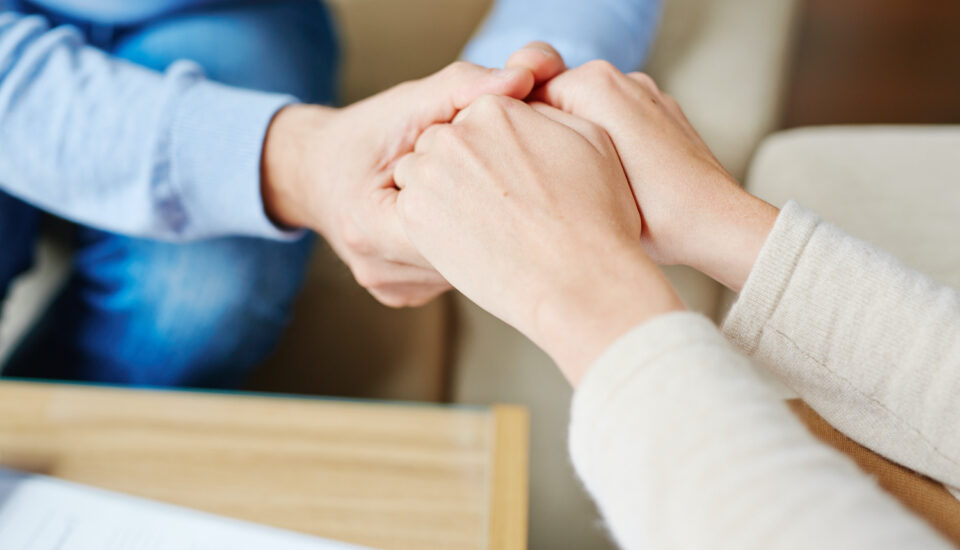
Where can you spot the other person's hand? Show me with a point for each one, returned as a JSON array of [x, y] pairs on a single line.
[[527, 211], [331, 170], [694, 212], [540, 58]]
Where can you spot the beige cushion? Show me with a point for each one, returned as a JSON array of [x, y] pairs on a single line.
[[895, 186]]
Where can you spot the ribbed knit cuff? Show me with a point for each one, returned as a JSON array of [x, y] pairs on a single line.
[[217, 137], [594, 413], [770, 276]]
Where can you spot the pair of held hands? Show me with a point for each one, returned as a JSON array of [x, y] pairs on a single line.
[[545, 195]]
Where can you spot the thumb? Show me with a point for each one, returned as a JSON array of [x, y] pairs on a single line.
[[589, 92], [540, 58], [457, 86]]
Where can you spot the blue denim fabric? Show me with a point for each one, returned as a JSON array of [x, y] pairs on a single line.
[[18, 226], [199, 314]]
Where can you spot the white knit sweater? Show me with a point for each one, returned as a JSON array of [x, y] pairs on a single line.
[[683, 446]]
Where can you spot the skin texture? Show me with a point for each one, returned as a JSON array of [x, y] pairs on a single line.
[[331, 170], [551, 214], [694, 212], [525, 209]]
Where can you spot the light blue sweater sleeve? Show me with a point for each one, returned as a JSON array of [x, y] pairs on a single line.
[[112, 145], [619, 31]]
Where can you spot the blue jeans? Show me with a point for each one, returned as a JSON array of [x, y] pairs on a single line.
[[200, 314]]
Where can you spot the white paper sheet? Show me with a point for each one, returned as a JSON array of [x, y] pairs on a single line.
[[43, 513]]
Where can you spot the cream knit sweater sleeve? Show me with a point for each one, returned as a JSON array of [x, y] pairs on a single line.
[[683, 446], [870, 344]]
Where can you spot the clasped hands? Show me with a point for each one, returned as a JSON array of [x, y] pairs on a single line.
[[545, 195]]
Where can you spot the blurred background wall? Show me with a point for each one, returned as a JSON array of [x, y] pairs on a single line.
[[876, 61]]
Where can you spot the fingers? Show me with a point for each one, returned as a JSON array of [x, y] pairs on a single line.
[[591, 91], [408, 294], [439, 97], [401, 295], [489, 107], [399, 283], [405, 170], [430, 136], [573, 88], [646, 81], [461, 83], [596, 135], [539, 58], [396, 283]]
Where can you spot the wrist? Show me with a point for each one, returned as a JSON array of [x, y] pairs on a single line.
[[587, 312], [730, 244], [287, 163]]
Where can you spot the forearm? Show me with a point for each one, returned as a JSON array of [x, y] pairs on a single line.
[[620, 31], [870, 344], [115, 146], [683, 446]]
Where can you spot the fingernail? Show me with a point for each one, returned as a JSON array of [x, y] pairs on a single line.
[[541, 49]]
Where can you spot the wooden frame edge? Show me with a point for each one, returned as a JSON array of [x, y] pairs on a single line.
[[509, 491]]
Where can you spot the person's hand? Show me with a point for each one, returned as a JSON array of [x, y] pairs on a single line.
[[540, 58], [331, 170], [694, 212], [527, 211]]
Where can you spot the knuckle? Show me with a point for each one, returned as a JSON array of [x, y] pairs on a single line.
[[459, 68], [489, 107], [455, 138], [601, 68], [442, 140], [645, 79], [448, 134], [649, 87], [490, 103]]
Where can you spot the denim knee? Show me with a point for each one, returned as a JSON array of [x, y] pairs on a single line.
[[285, 46], [158, 314], [201, 314]]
